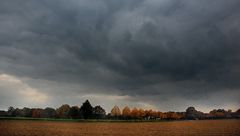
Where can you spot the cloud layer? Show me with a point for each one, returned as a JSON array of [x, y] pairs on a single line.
[[163, 53]]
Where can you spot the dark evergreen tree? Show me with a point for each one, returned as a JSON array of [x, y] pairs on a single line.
[[98, 112], [86, 110]]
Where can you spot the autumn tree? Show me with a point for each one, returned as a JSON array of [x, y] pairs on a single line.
[[154, 114], [86, 110], [172, 116], [181, 115], [162, 115], [63, 111], [149, 114], [134, 113], [141, 113], [126, 112], [36, 113], [159, 115], [115, 112], [220, 113]]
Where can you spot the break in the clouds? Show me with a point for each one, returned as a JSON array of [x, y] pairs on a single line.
[[162, 54]]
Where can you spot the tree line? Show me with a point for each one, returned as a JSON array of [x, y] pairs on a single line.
[[87, 111]]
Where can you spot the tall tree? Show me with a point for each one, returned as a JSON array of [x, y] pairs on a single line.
[[86, 110]]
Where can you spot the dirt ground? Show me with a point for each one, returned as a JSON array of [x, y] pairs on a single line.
[[175, 128]]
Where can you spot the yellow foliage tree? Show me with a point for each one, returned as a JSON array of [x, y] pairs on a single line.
[[115, 111]]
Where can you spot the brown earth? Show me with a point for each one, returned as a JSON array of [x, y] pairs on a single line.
[[175, 128]]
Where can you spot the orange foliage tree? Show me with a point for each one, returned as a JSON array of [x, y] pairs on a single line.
[[135, 113], [141, 113], [36, 113], [173, 116], [126, 112], [63, 111]]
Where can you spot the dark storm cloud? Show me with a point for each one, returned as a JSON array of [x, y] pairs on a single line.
[[138, 47]]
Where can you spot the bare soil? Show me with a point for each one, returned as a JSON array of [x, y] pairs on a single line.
[[175, 128]]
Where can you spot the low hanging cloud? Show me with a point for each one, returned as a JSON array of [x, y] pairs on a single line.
[[166, 53]]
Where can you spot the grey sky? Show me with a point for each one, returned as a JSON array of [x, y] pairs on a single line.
[[160, 54]]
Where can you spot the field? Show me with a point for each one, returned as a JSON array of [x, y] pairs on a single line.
[[175, 128]]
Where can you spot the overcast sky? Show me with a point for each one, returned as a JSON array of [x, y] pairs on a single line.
[[158, 54]]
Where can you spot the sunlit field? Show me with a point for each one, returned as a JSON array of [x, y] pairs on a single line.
[[174, 128]]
